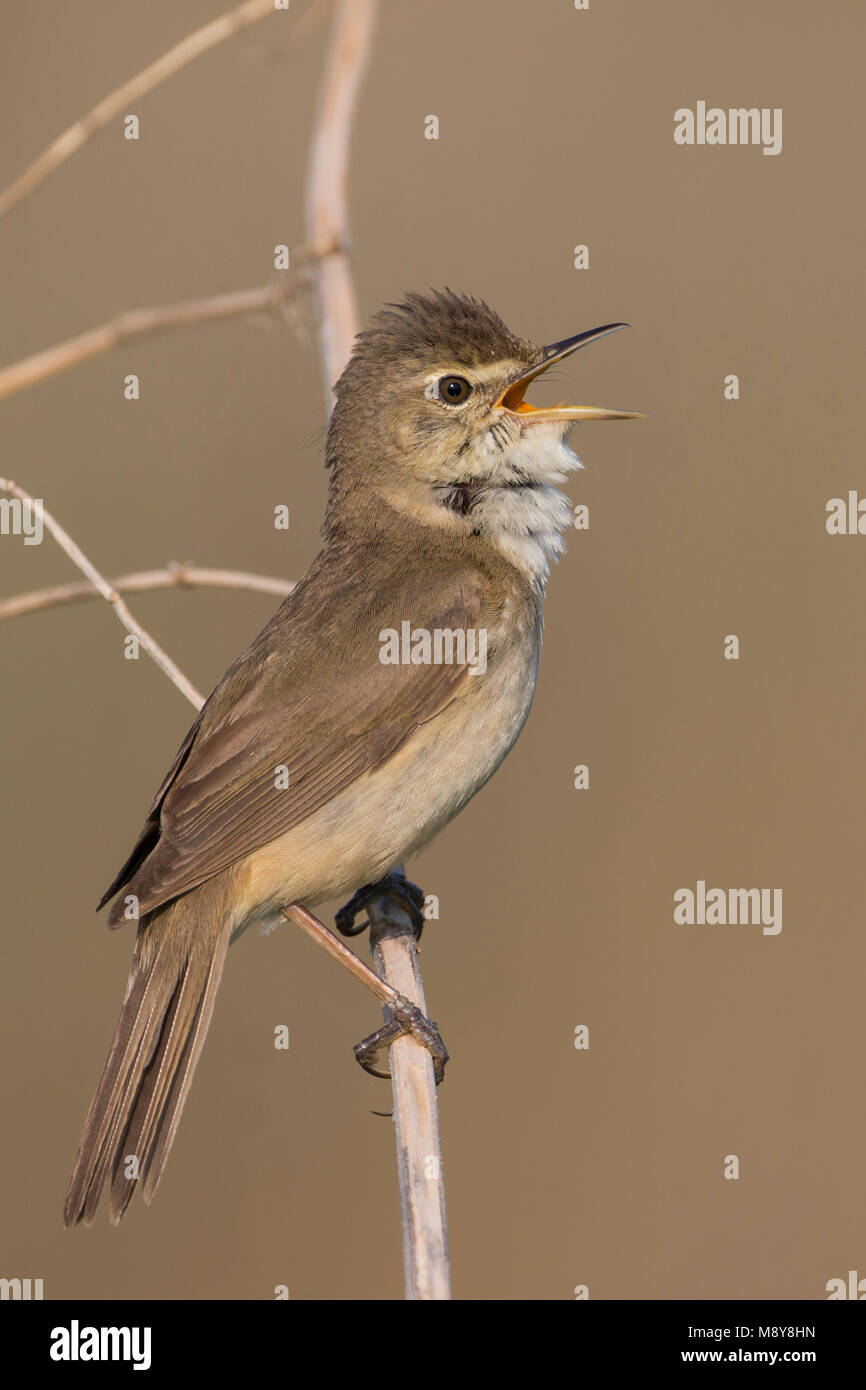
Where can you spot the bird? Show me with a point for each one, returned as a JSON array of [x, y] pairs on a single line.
[[327, 753]]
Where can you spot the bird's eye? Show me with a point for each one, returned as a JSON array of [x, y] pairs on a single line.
[[454, 390]]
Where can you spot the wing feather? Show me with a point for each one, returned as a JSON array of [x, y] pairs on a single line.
[[327, 723]]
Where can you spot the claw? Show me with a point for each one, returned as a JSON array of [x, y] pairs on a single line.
[[405, 1018]]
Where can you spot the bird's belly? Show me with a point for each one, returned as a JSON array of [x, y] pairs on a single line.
[[388, 814]]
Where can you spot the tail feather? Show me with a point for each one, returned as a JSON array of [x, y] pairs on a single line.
[[138, 1021], [182, 1078], [162, 1095], [179, 957], [142, 1104]]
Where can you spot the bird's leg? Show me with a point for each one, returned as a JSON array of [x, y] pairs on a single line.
[[395, 885], [395, 918], [405, 1017]]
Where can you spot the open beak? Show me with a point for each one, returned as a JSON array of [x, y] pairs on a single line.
[[512, 397]]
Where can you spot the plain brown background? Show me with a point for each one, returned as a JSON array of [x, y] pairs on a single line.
[[563, 1167]]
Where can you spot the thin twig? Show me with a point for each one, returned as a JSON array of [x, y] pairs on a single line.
[[77, 556], [325, 938], [137, 323], [395, 956], [416, 1114], [327, 185], [117, 101], [416, 1117], [174, 576]]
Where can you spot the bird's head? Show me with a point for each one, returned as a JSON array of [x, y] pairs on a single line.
[[431, 411]]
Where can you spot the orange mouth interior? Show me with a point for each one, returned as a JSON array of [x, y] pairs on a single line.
[[512, 398]]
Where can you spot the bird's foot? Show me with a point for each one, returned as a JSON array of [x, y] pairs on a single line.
[[405, 1018], [395, 885]]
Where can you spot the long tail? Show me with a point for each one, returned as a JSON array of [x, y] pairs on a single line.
[[176, 970]]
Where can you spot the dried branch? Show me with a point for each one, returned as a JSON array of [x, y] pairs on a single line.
[[395, 955], [416, 1117], [174, 576], [416, 1114], [138, 323], [77, 556], [193, 46], [325, 938], [327, 184]]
